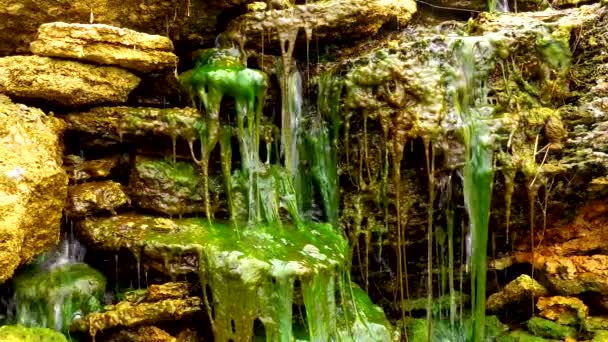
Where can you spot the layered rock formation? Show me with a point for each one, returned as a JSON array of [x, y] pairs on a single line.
[[106, 45]]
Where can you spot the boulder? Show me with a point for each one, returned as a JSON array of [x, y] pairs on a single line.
[[563, 310], [105, 44], [518, 290], [65, 83], [33, 185]]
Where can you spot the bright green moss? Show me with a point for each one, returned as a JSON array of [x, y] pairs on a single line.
[[74, 289], [19, 333]]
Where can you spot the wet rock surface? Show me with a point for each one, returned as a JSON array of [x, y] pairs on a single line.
[[95, 197], [116, 122], [334, 19], [33, 185], [106, 45], [172, 188], [54, 295], [126, 314], [65, 83]]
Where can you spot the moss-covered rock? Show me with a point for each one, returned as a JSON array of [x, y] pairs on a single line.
[[250, 269], [104, 44], [116, 122], [518, 290], [519, 336], [54, 297], [19, 333], [62, 82], [563, 310], [33, 185], [549, 329], [173, 188], [334, 19], [94, 197]]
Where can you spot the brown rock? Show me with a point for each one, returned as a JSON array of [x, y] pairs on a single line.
[[64, 82], [104, 44]]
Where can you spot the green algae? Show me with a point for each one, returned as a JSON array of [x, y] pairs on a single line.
[[211, 80], [549, 329], [19, 333], [253, 276], [53, 298]]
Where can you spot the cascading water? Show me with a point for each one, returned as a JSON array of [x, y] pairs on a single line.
[[58, 288], [473, 59]]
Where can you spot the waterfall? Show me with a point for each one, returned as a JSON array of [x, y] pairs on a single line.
[[474, 57]]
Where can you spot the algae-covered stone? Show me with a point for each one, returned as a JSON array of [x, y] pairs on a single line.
[[600, 336], [19, 333], [549, 329], [337, 19], [250, 269], [442, 330], [54, 297], [105, 44], [33, 185], [62, 82], [114, 122], [520, 336], [173, 188], [563, 310], [598, 323], [127, 314], [80, 170], [523, 287], [93, 197]]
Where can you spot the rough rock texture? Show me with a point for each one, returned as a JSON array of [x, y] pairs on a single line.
[[333, 19], [522, 288], [105, 44], [80, 170], [142, 334], [33, 185], [173, 188], [116, 122], [94, 197], [126, 314], [563, 310], [578, 274], [62, 82], [189, 22]]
